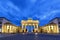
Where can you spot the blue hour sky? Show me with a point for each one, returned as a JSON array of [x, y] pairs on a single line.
[[17, 10]]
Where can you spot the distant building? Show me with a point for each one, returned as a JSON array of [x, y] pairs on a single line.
[[6, 26], [28, 26], [9, 28], [2, 21], [57, 21], [50, 28], [32, 23]]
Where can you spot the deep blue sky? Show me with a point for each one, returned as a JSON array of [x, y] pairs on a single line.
[[42, 10]]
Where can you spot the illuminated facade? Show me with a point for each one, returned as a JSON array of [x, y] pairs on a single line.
[[2, 22], [7, 27], [30, 22], [57, 21], [50, 28]]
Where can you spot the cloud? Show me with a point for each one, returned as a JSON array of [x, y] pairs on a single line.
[[44, 10], [9, 8], [10, 11], [49, 14], [33, 1]]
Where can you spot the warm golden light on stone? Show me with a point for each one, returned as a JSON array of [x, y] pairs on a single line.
[[49, 28]]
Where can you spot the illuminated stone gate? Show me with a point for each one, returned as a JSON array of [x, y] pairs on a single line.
[[30, 22]]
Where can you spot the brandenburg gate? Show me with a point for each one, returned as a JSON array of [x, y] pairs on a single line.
[[30, 22]]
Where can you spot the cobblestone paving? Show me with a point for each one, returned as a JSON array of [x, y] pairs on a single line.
[[31, 36]]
